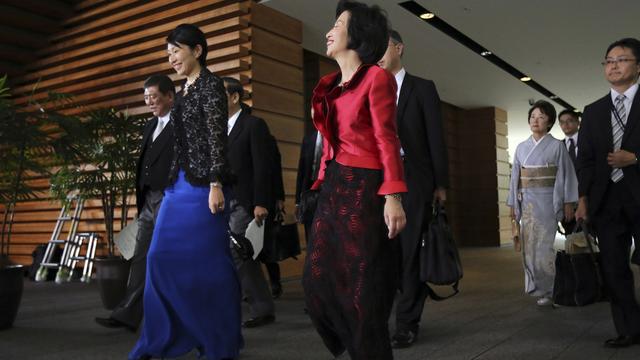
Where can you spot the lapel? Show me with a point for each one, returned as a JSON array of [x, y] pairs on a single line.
[[237, 128], [405, 91], [632, 118], [605, 125], [148, 131], [160, 142]]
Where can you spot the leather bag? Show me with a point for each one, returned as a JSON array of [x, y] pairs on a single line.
[[578, 279], [439, 258]]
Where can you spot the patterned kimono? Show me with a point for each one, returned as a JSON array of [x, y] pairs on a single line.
[[542, 181]]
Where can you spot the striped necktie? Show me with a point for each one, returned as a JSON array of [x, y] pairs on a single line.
[[618, 131]]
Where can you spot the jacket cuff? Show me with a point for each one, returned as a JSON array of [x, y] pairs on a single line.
[[392, 187]]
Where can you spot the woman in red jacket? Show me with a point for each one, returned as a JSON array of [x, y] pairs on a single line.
[[350, 269]]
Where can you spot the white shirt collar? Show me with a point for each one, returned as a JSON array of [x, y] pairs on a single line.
[[232, 121], [399, 79], [165, 118], [630, 94], [574, 137]]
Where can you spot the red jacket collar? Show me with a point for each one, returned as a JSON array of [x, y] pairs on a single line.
[[329, 82]]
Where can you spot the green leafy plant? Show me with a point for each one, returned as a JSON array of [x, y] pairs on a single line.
[[98, 150], [23, 145]]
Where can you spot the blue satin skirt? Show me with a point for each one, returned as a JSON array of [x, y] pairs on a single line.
[[192, 294]]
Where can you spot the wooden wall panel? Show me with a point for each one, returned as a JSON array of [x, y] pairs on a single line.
[[481, 177], [104, 52]]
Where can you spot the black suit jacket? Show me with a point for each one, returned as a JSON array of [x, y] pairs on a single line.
[[304, 180], [421, 135], [596, 141], [159, 154], [250, 158]]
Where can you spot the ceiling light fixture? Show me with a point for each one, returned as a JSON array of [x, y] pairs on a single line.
[[427, 16], [437, 22]]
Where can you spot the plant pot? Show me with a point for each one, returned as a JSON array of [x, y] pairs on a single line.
[[11, 285], [112, 274]]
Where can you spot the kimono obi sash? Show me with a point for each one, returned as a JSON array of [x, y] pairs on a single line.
[[538, 177]]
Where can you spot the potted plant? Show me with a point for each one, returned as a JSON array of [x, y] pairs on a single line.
[[22, 145], [99, 152]]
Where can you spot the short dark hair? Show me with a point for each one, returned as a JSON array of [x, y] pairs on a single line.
[[546, 108], [163, 82], [233, 86], [191, 36], [574, 114], [368, 30], [395, 37], [629, 43]]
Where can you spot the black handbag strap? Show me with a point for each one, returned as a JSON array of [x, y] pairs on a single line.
[[589, 238]]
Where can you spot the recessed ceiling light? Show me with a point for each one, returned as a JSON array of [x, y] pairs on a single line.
[[427, 16], [553, 97], [525, 78], [486, 53], [576, 110]]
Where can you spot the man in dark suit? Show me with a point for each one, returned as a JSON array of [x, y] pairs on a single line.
[[308, 167], [609, 182], [426, 173], [570, 124], [249, 155], [152, 177]]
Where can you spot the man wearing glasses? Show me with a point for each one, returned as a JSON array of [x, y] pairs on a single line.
[[609, 183]]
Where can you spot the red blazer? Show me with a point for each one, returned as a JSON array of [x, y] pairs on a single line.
[[358, 124]]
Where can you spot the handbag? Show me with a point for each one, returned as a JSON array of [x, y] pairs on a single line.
[[281, 240], [439, 258], [578, 279], [242, 245]]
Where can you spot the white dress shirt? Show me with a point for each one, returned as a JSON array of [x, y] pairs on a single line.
[[162, 123], [399, 79], [232, 121]]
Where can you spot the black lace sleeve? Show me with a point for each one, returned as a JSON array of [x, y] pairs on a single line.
[[214, 105]]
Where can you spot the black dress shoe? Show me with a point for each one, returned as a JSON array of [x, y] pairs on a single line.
[[259, 321], [622, 341], [403, 339], [112, 323], [276, 291]]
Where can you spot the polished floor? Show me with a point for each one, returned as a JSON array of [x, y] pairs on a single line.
[[490, 319]]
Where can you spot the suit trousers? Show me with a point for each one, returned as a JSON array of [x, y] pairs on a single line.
[[254, 285], [130, 311], [615, 223], [413, 292]]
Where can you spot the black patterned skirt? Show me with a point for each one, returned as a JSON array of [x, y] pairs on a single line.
[[350, 270]]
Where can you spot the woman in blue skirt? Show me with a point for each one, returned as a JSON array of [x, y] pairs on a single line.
[[192, 293]]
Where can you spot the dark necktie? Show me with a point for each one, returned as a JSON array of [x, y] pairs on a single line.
[[572, 150]]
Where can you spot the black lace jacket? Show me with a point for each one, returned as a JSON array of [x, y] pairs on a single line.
[[199, 121]]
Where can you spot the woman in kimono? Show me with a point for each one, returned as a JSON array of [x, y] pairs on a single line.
[[542, 191]]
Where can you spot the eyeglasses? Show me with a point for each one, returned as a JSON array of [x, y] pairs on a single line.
[[616, 61]]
